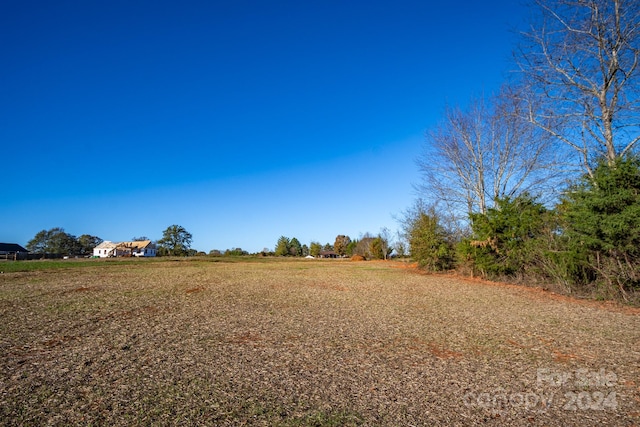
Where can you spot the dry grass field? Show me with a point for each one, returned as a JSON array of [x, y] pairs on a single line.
[[306, 342]]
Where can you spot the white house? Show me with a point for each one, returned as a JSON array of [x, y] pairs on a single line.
[[105, 249], [143, 248]]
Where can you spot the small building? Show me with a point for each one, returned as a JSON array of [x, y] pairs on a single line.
[[105, 249], [12, 250], [328, 254], [142, 248]]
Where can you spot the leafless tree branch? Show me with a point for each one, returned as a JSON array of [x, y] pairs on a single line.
[[580, 59]]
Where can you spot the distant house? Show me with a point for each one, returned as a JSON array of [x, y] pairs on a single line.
[[328, 254], [105, 249], [142, 248], [14, 250]]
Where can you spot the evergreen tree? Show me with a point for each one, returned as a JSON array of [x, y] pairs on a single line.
[[602, 225], [429, 243], [282, 246], [504, 238], [295, 248]]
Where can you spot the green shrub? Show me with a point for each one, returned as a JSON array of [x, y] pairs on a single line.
[[430, 244], [505, 239], [602, 228]]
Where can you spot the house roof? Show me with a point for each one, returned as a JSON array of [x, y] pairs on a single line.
[[141, 244], [328, 253], [106, 245], [11, 247]]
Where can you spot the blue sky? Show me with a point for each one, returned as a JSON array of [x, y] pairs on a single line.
[[240, 120]]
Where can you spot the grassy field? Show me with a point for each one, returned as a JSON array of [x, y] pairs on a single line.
[[305, 342]]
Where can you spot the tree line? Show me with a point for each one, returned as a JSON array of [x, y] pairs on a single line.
[[541, 181], [367, 246], [176, 241], [56, 242]]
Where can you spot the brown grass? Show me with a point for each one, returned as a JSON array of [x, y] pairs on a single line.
[[305, 342]]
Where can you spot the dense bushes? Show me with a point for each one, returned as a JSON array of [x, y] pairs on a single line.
[[430, 244], [602, 228], [589, 243], [504, 239]]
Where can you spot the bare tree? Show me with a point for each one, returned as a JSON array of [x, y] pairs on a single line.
[[386, 245], [401, 245], [481, 154], [580, 59]]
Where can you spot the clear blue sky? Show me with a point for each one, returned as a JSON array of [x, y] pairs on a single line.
[[240, 120]]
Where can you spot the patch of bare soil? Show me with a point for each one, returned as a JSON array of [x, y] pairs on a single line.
[[307, 343]]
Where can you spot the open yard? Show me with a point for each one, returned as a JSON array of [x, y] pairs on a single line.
[[306, 342]]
